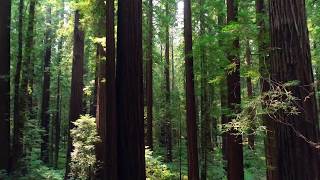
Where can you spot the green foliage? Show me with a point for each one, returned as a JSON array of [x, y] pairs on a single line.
[[84, 138], [155, 169]]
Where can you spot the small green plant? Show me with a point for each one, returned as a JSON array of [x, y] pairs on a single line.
[[155, 169], [84, 137]]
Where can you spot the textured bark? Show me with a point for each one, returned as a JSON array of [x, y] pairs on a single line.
[[234, 142], [111, 157], [45, 115], [193, 171], [168, 129], [5, 15], [290, 60], [129, 84], [76, 84]]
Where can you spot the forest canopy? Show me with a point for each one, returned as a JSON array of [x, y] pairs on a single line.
[[159, 89]]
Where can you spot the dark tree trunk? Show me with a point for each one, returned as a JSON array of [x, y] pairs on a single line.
[[290, 60], [5, 15], [101, 92], [111, 156], [168, 134], [234, 142], [250, 96], [76, 84], [193, 171], [129, 84], [45, 115], [24, 97], [149, 78], [264, 69], [16, 109]]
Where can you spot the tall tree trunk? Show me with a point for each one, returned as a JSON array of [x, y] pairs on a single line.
[[57, 119], [149, 78], [16, 109], [76, 84], [131, 161], [250, 96], [24, 96], [205, 116], [193, 171], [264, 69], [290, 60], [5, 16], [168, 134], [234, 142], [45, 115], [111, 157], [101, 91]]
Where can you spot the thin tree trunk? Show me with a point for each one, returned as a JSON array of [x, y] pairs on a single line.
[[58, 99], [131, 160], [168, 133], [5, 16], [234, 142], [76, 84], [45, 115], [250, 96], [193, 171], [16, 108], [149, 78], [101, 92]]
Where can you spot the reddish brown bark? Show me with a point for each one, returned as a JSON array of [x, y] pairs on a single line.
[[76, 84], [45, 115], [234, 142], [290, 60], [193, 168], [5, 15], [111, 157], [129, 84]]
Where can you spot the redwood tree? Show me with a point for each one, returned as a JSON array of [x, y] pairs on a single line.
[[5, 15], [297, 156], [76, 84], [111, 157], [193, 171], [45, 115], [234, 142], [129, 85]]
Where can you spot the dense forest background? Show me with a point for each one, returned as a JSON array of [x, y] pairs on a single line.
[[159, 89]]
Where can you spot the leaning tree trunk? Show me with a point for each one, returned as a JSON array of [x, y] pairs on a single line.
[[193, 170], [129, 84], [296, 136], [5, 15], [45, 114], [234, 141], [76, 84]]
